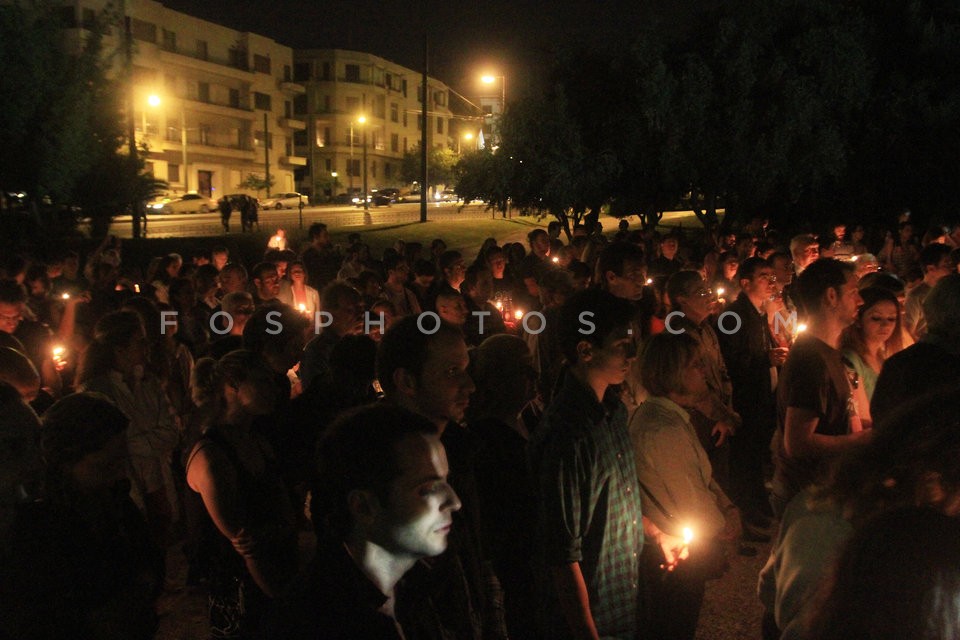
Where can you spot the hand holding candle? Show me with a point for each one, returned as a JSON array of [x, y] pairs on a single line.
[[675, 548], [59, 358]]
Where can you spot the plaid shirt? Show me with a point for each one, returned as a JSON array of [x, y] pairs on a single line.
[[589, 506]]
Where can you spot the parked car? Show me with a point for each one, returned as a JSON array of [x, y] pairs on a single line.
[[284, 201], [391, 192], [375, 199], [413, 196], [188, 203], [447, 195]]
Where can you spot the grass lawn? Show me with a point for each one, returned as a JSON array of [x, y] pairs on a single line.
[[465, 236]]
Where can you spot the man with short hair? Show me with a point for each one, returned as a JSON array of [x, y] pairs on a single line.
[[266, 283], [590, 527], [477, 291], [395, 288], [233, 278], [752, 358], [452, 272], [345, 307], [936, 262], [667, 263], [381, 502], [423, 367], [320, 258], [452, 308], [815, 411]]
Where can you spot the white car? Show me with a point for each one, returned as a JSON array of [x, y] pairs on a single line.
[[189, 203], [284, 201]]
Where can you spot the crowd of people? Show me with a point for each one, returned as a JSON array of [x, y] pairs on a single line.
[[566, 439]]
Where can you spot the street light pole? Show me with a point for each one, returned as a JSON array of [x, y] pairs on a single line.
[[183, 149], [350, 172], [365, 195]]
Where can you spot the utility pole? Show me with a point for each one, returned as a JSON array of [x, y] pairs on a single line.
[[424, 180], [266, 153], [135, 204]]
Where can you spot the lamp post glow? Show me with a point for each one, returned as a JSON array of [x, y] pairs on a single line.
[[492, 79], [155, 101]]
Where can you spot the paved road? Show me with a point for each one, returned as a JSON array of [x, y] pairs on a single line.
[[208, 224]]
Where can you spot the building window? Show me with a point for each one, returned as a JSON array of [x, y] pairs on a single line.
[[404, 87], [351, 73], [235, 98], [380, 107], [404, 144], [300, 104], [328, 164], [146, 31], [300, 138], [89, 18], [288, 145], [170, 82], [387, 170], [301, 71], [353, 167], [394, 112], [169, 40], [287, 109], [173, 173], [202, 51], [377, 140], [286, 72], [440, 98], [353, 105], [261, 101], [204, 131], [326, 71], [203, 91], [404, 118], [394, 142], [148, 168], [326, 104], [327, 135], [373, 168], [258, 139], [439, 125], [261, 63], [238, 58]]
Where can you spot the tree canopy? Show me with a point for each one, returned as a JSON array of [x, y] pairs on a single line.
[[797, 109]]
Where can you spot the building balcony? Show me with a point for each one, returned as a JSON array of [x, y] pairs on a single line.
[[294, 161], [293, 123], [291, 87], [224, 68]]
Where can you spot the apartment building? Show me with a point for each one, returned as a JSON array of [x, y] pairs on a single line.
[[212, 104], [343, 86]]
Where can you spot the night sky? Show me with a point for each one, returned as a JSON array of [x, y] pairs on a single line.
[[512, 38]]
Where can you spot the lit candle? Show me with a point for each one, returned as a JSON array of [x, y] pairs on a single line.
[[499, 305], [556, 260], [59, 361], [65, 296], [518, 314], [687, 535], [720, 291], [302, 307], [801, 327], [649, 281], [136, 288]]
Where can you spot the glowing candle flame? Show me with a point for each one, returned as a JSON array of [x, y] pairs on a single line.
[[518, 314], [65, 296], [649, 280], [801, 327], [136, 288], [58, 352], [499, 305], [687, 535], [556, 260], [302, 307], [720, 291]]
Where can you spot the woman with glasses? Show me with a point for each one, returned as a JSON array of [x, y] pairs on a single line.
[[675, 475]]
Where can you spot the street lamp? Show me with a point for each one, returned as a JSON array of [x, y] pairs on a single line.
[[468, 137], [333, 186], [362, 120], [155, 101]]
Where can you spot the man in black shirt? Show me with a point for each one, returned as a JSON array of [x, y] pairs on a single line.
[[381, 504]]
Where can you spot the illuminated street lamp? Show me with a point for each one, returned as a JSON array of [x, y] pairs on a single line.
[[467, 136], [490, 79], [154, 101]]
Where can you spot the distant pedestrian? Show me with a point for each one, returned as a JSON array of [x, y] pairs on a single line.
[[226, 208]]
